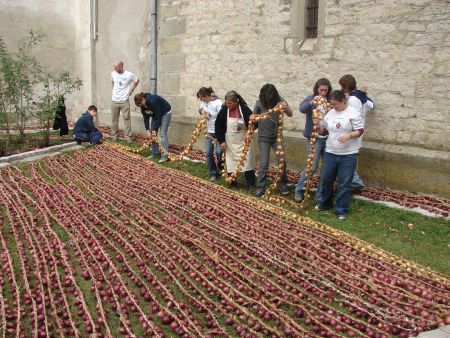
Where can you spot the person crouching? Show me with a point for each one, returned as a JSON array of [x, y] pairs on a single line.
[[85, 130]]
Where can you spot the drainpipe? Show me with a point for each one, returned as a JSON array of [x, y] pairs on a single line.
[[93, 44], [153, 47]]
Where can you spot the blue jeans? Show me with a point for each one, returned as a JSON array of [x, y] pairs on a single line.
[[318, 154], [357, 182], [92, 137], [210, 150], [165, 121], [341, 167], [264, 158]]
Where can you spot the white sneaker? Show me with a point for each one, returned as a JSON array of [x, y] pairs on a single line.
[[150, 157], [163, 160], [341, 217]]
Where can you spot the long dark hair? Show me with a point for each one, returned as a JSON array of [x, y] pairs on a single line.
[[268, 96], [323, 82]]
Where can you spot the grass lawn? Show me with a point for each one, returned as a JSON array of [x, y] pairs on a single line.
[[422, 239]]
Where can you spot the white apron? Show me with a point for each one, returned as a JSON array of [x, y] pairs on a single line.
[[234, 140]]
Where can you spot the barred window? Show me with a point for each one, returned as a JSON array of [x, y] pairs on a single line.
[[312, 18]]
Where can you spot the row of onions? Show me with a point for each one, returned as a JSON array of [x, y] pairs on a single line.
[[105, 243]]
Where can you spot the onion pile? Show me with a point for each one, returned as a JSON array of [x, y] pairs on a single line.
[[105, 243]]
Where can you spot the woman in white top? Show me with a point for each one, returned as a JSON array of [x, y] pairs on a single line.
[[210, 107], [344, 125]]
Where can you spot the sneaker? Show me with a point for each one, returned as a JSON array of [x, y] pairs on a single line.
[[317, 207], [163, 160], [212, 178], [341, 216], [150, 157], [284, 190], [259, 192], [298, 198], [357, 190]]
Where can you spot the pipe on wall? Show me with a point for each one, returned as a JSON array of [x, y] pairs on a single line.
[[153, 47]]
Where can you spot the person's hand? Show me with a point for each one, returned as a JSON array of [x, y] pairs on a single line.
[[149, 133], [223, 146], [344, 138]]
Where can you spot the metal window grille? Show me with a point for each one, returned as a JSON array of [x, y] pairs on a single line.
[[312, 17]]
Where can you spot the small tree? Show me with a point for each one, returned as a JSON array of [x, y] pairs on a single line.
[[47, 104], [18, 74]]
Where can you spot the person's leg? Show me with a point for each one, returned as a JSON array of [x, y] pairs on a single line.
[[209, 153], [250, 178], [219, 151], [95, 137], [81, 137], [345, 170], [264, 156], [155, 148], [357, 182], [327, 178], [320, 151], [165, 121], [282, 184], [115, 112], [125, 107], [301, 182]]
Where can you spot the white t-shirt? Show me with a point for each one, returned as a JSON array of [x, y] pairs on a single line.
[[338, 124], [122, 83], [213, 108]]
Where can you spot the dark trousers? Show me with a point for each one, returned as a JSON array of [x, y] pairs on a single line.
[[92, 137], [264, 159], [249, 178]]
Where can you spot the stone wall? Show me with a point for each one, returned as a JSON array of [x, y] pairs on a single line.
[[399, 49]]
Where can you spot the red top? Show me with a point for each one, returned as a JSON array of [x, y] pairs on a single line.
[[234, 113]]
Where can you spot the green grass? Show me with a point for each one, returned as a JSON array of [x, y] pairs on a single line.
[[422, 239]]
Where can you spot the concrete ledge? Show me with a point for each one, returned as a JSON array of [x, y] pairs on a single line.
[[37, 152], [390, 166], [442, 332]]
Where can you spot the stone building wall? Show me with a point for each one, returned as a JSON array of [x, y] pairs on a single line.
[[398, 48]]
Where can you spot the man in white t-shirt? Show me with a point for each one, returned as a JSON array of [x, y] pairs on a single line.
[[123, 85]]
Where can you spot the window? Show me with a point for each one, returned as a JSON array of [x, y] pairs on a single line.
[[312, 18], [307, 19]]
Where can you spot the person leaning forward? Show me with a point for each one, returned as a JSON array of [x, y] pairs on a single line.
[[123, 85]]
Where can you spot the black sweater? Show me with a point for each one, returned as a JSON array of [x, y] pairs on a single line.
[[156, 108], [221, 121]]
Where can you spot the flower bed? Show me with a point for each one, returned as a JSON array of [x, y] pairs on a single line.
[[106, 242]]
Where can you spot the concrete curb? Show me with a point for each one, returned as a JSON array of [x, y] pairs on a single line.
[[442, 332], [33, 153]]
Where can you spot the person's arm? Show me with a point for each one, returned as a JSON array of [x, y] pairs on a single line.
[[146, 119], [358, 128], [354, 102], [306, 106], [135, 81], [287, 109], [89, 124], [220, 125]]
